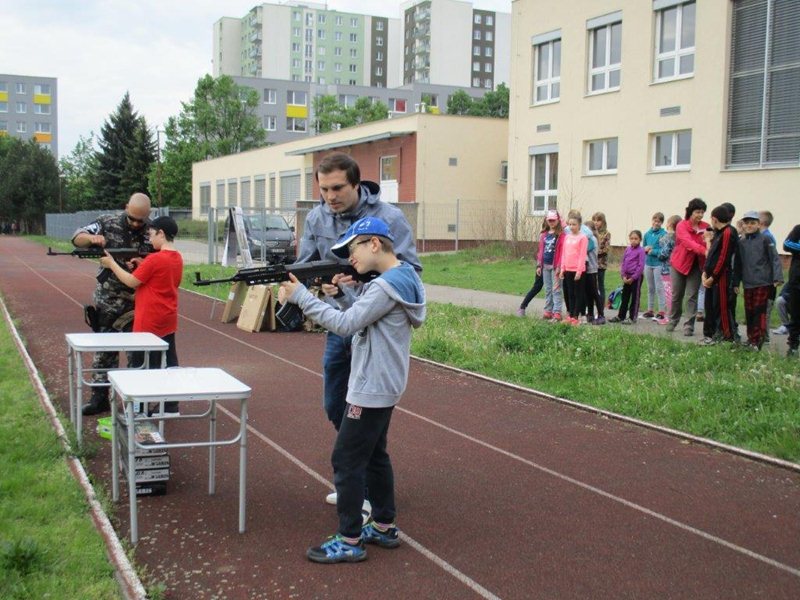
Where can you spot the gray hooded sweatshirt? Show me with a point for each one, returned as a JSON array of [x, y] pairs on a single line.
[[380, 321]]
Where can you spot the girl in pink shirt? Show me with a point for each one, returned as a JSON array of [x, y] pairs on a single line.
[[573, 265]]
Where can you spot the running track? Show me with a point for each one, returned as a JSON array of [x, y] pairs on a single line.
[[501, 494]]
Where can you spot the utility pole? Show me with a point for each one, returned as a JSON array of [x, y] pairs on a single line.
[[158, 166]]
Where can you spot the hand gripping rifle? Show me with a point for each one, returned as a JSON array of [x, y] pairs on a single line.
[[289, 315], [119, 254]]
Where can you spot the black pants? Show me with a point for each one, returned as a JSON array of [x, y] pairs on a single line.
[[593, 296], [538, 284], [359, 458], [629, 304], [574, 295], [601, 283], [794, 313], [137, 358], [719, 306]]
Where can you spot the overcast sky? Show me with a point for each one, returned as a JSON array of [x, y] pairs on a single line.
[[155, 49]]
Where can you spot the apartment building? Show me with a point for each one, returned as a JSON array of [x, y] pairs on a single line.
[[635, 106], [450, 42], [286, 109], [306, 42], [28, 109]]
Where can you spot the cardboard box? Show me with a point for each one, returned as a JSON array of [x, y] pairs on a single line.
[[258, 310], [233, 305]]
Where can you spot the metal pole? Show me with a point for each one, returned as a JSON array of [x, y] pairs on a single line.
[[158, 166], [458, 207]]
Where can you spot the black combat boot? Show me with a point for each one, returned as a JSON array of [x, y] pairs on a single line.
[[98, 404]]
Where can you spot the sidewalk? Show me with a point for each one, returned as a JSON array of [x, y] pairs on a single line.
[[508, 304]]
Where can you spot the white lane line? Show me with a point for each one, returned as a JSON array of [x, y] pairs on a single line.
[[688, 528], [436, 559]]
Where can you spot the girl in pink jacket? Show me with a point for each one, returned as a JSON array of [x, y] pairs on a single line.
[[573, 265]]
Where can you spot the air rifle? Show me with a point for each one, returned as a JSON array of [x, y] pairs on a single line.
[[318, 269], [119, 254]]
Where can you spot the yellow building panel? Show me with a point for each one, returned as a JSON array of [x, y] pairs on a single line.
[[3, 132], [43, 138], [435, 110], [298, 112], [42, 99], [3, 96]]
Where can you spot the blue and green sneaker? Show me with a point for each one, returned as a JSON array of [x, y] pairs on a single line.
[[335, 550], [385, 539]]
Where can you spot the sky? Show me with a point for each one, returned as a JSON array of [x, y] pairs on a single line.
[[154, 49]]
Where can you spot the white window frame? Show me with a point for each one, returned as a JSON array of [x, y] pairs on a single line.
[[20, 88], [379, 26], [549, 195], [489, 36], [476, 51], [339, 20], [39, 88], [292, 97], [296, 124], [41, 127], [489, 20], [393, 104], [320, 34], [478, 20], [552, 84], [4, 126], [607, 67], [320, 65], [678, 52], [379, 40], [394, 160], [270, 122], [22, 127], [604, 146], [673, 158], [354, 22], [354, 37], [337, 36], [296, 31], [353, 52], [270, 96], [21, 108], [476, 82], [337, 51], [487, 52], [41, 109], [295, 46]]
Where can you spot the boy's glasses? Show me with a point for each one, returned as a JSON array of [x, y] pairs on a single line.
[[351, 247]]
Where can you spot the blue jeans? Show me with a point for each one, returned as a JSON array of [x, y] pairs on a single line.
[[336, 373]]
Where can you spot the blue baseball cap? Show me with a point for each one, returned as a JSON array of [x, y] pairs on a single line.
[[365, 226]]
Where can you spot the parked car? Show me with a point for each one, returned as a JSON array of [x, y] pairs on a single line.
[[271, 238]]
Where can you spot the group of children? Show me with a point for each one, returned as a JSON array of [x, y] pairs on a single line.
[[571, 272]]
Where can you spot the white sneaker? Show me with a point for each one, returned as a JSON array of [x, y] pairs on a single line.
[[782, 330], [331, 498], [365, 508]]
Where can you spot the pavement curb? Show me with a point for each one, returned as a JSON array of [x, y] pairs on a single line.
[[130, 585]]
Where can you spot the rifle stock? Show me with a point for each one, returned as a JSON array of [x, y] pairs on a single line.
[[119, 254], [319, 269]]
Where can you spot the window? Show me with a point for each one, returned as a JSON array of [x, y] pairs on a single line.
[[353, 68], [353, 37], [379, 56], [487, 84], [605, 58], [339, 20], [672, 151], [476, 51], [296, 98], [337, 51], [489, 36], [354, 22], [547, 72], [4, 107], [763, 111], [295, 77], [397, 105], [478, 20], [22, 127], [379, 40], [270, 96], [389, 165], [601, 156], [309, 66], [20, 88], [309, 19], [487, 52], [309, 51], [378, 71], [320, 65], [4, 126], [321, 80], [296, 31], [43, 128], [3, 86], [205, 198], [347, 100], [487, 68], [675, 29], [476, 35], [42, 88], [476, 66], [321, 34], [270, 122], [321, 50], [297, 16], [295, 63], [22, 108], [295, 124], [320, 18], [353, 53], [489, 20], [476, 82], [337, 67], [503, 171], [295, 46], [544, 182], [379, 26], [310, 36], [337, 36]]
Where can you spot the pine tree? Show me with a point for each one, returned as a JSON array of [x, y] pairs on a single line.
[[124, 158]]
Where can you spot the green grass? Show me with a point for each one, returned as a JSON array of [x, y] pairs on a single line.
[[49, 547], [723, 393]]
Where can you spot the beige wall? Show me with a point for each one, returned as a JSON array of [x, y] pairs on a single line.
[[632, 114]]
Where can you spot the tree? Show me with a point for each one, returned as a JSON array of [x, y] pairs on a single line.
[[219, 120], [29, 183], [366, 111], [493, 104], [77, 169], [123, 159], [330, 115], [459, 103]]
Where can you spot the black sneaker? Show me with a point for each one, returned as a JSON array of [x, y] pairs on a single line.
[[385, 539], [336, 550]]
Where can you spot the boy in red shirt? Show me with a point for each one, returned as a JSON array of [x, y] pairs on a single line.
[[156, 281]]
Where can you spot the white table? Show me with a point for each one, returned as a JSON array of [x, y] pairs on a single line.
[[179, 384], [80, 343]]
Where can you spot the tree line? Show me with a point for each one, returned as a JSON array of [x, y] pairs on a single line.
[[101, 172]]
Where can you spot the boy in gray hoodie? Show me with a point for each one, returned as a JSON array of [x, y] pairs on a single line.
[[380, 320]]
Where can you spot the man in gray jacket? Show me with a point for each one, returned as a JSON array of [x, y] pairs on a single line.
[[345, 200]]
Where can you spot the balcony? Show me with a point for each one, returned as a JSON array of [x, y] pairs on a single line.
[[255, 37]]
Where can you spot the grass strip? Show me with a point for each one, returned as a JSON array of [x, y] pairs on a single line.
[[49, 547], [724, 393]]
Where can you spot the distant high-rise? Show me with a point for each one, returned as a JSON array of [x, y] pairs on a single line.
[[448, 42], [439, 42], [28, 109], [304, 41]]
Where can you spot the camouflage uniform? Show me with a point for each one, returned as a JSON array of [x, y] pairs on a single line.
[[112, 298]]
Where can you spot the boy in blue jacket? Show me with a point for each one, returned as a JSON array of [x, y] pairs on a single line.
[[380, 321]]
